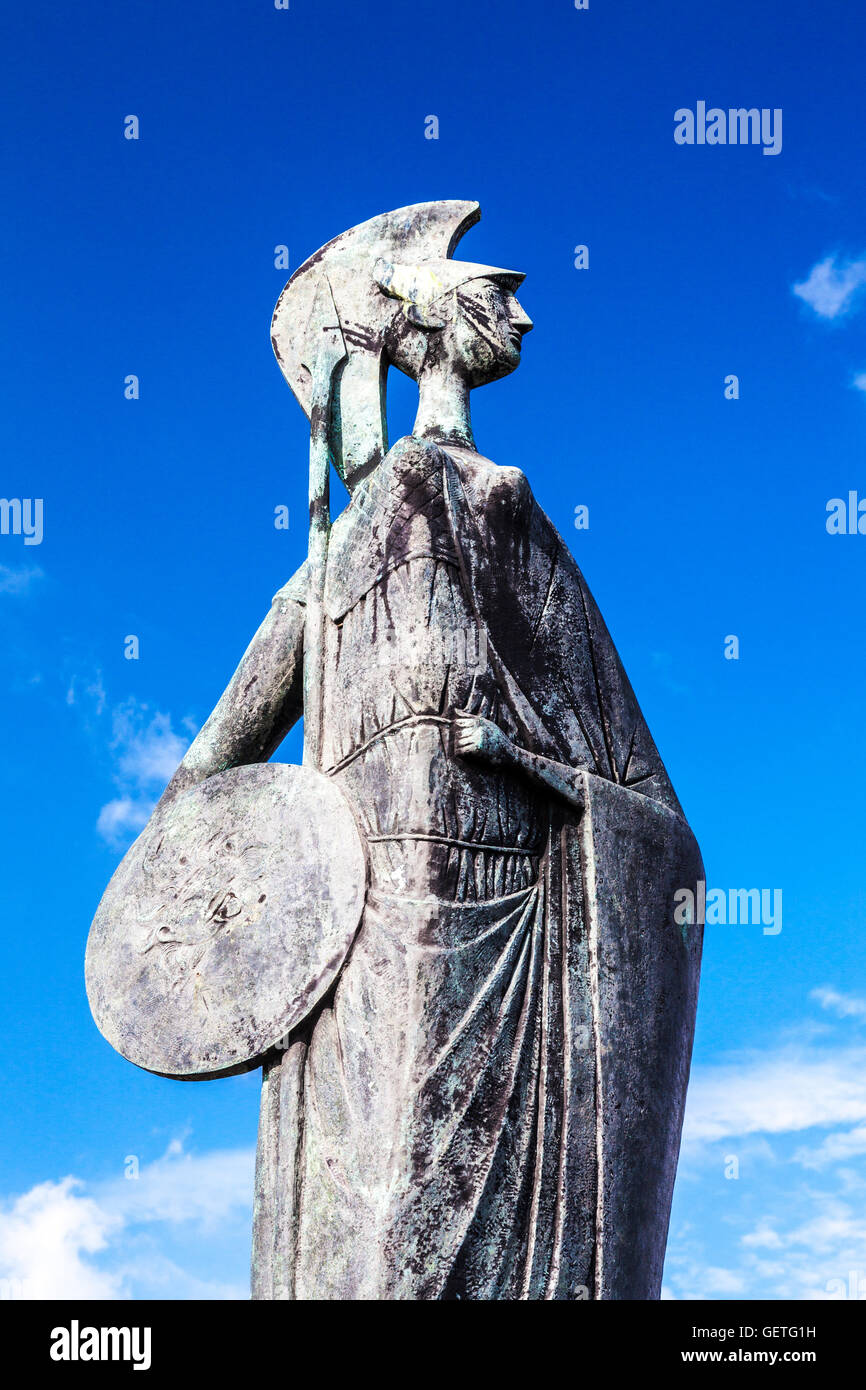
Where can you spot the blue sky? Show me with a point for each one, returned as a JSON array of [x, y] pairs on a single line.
[[708, 517]]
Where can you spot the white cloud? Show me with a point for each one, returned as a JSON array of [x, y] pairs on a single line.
[[121, 818], [181, 1187], [859, 382], [114, 1240], [89, 692], [787, 1221], [764, 1237], [844, 1005], [776, 1093], [830, 288], [797, 1274], [716, 1280], [20, 580], [822, 1258], [45, 1238], [143, 750], [822, 1234], [836, 1148], [147, 751]]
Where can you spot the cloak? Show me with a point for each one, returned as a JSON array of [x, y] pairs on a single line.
[[615, 978], [633, 847]]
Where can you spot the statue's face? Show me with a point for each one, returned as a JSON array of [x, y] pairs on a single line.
[[487, 333]]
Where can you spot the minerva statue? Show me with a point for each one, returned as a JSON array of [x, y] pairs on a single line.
[[449, 938]]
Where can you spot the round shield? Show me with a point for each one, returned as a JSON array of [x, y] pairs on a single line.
[[227, 921]]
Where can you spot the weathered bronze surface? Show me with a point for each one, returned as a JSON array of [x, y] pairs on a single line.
[[482, 1089], [227, 921]]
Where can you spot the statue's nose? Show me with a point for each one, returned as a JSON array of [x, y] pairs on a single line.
[[520, 318]]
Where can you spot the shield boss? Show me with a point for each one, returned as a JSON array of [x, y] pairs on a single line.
[[227, 921]]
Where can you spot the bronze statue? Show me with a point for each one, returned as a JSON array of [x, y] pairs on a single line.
[[449, 939]]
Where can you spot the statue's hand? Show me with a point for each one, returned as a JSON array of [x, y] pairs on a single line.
[[476, 737]]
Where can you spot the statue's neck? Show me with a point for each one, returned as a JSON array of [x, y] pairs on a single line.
[[443, 407]]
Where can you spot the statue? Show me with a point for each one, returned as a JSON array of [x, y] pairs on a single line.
[[448, 939]]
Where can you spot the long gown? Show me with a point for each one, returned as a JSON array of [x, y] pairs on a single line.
[[430, 1132]]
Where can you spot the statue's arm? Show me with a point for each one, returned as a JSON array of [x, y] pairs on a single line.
[[261, 703], [565, 781], [476, 737]]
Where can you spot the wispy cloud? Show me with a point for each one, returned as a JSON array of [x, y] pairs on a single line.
[[832, 286], [813, 193], [770, 1196], [87, 691], [780, 1093], [147, 747], [123, 817], [118, 1239], [836, 1148], [843, 1005], [146, 750], [19, 579]]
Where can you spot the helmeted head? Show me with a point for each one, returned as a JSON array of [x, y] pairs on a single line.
[[475, 324], [400, 298]]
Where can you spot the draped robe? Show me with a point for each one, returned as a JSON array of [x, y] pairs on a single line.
[[488, 1103]]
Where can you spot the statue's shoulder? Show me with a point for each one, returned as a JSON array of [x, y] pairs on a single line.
[[408, 465], [492, 488], [410, 454], [487, 484], [295, 591]]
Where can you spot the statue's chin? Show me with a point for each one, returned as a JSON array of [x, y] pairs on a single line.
[[503, 366]]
